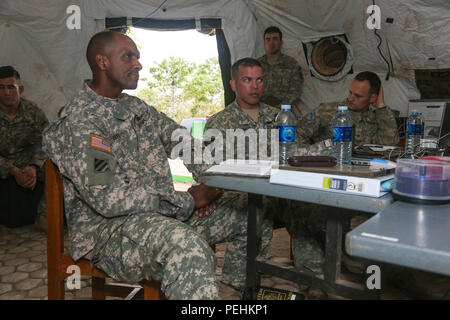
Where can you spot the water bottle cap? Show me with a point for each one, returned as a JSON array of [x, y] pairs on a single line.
[[416, 111], [342, 108], [285, 107]]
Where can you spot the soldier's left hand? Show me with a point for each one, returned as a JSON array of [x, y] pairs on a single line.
[[30, 173], [205, 211], [204, 196], [380, 100]]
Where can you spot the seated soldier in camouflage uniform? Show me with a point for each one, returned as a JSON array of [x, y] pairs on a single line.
[[283, 78], [374, 122], [122, 211], [250, 115], [21, 155], [247, 112]]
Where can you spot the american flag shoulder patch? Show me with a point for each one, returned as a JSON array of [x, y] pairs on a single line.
[[100, 143]]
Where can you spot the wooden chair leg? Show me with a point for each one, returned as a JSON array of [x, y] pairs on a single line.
[[152, 290], [98, 288], [55, 288]]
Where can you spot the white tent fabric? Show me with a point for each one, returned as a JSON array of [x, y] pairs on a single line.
[[51, 58]]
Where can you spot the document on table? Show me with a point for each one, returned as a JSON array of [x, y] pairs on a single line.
[[256, 168]]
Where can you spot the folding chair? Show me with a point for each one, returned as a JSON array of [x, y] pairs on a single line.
[[58, 262]]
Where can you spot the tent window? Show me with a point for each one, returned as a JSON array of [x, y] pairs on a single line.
[[204, 25], [330, 58]]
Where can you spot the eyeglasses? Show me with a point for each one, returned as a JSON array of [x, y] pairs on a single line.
[[9, 87]]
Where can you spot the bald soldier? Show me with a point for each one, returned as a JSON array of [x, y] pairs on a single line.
[[122, 211]]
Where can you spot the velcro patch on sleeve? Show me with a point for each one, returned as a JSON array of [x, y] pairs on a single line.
[[101, 167], [100, 143]]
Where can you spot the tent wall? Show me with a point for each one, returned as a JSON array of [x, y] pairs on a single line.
[[51, 58]]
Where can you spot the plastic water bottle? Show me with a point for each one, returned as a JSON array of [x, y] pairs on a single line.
[[286, 123], [342, 136], [414, 132]]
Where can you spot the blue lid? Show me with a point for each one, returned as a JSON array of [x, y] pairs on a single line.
[[285, 107]]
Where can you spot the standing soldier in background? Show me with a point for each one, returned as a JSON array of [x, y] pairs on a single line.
[[21, 155], [282, 74]]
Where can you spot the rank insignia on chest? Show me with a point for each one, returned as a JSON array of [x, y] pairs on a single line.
[[100, 143]]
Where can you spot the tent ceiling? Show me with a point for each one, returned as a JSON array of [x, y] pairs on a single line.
[[50, 57]]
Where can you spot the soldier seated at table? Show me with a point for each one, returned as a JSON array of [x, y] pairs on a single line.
[[374, 122], [248, 112], [122, 211]]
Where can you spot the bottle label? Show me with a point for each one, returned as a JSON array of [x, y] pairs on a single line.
[[286, 133], [415, 129], [342, 134]]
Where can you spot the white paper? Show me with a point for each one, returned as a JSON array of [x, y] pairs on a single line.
[[259, 168]]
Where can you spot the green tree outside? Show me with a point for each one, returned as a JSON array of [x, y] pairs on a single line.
[[183, 89]]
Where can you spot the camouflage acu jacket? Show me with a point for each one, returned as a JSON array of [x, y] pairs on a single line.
[[282, 80], [112, 155], [21, 138], [374, 125], [232, 117]]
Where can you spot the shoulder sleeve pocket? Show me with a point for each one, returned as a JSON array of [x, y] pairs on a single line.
[[101, 167]]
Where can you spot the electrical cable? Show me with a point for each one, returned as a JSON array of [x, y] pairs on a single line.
[[379, 44], [417, 154], [150, 14], [381, 53]]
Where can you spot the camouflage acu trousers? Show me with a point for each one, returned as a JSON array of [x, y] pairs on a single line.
[[306, 223], [18, 205], [152, 246]]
